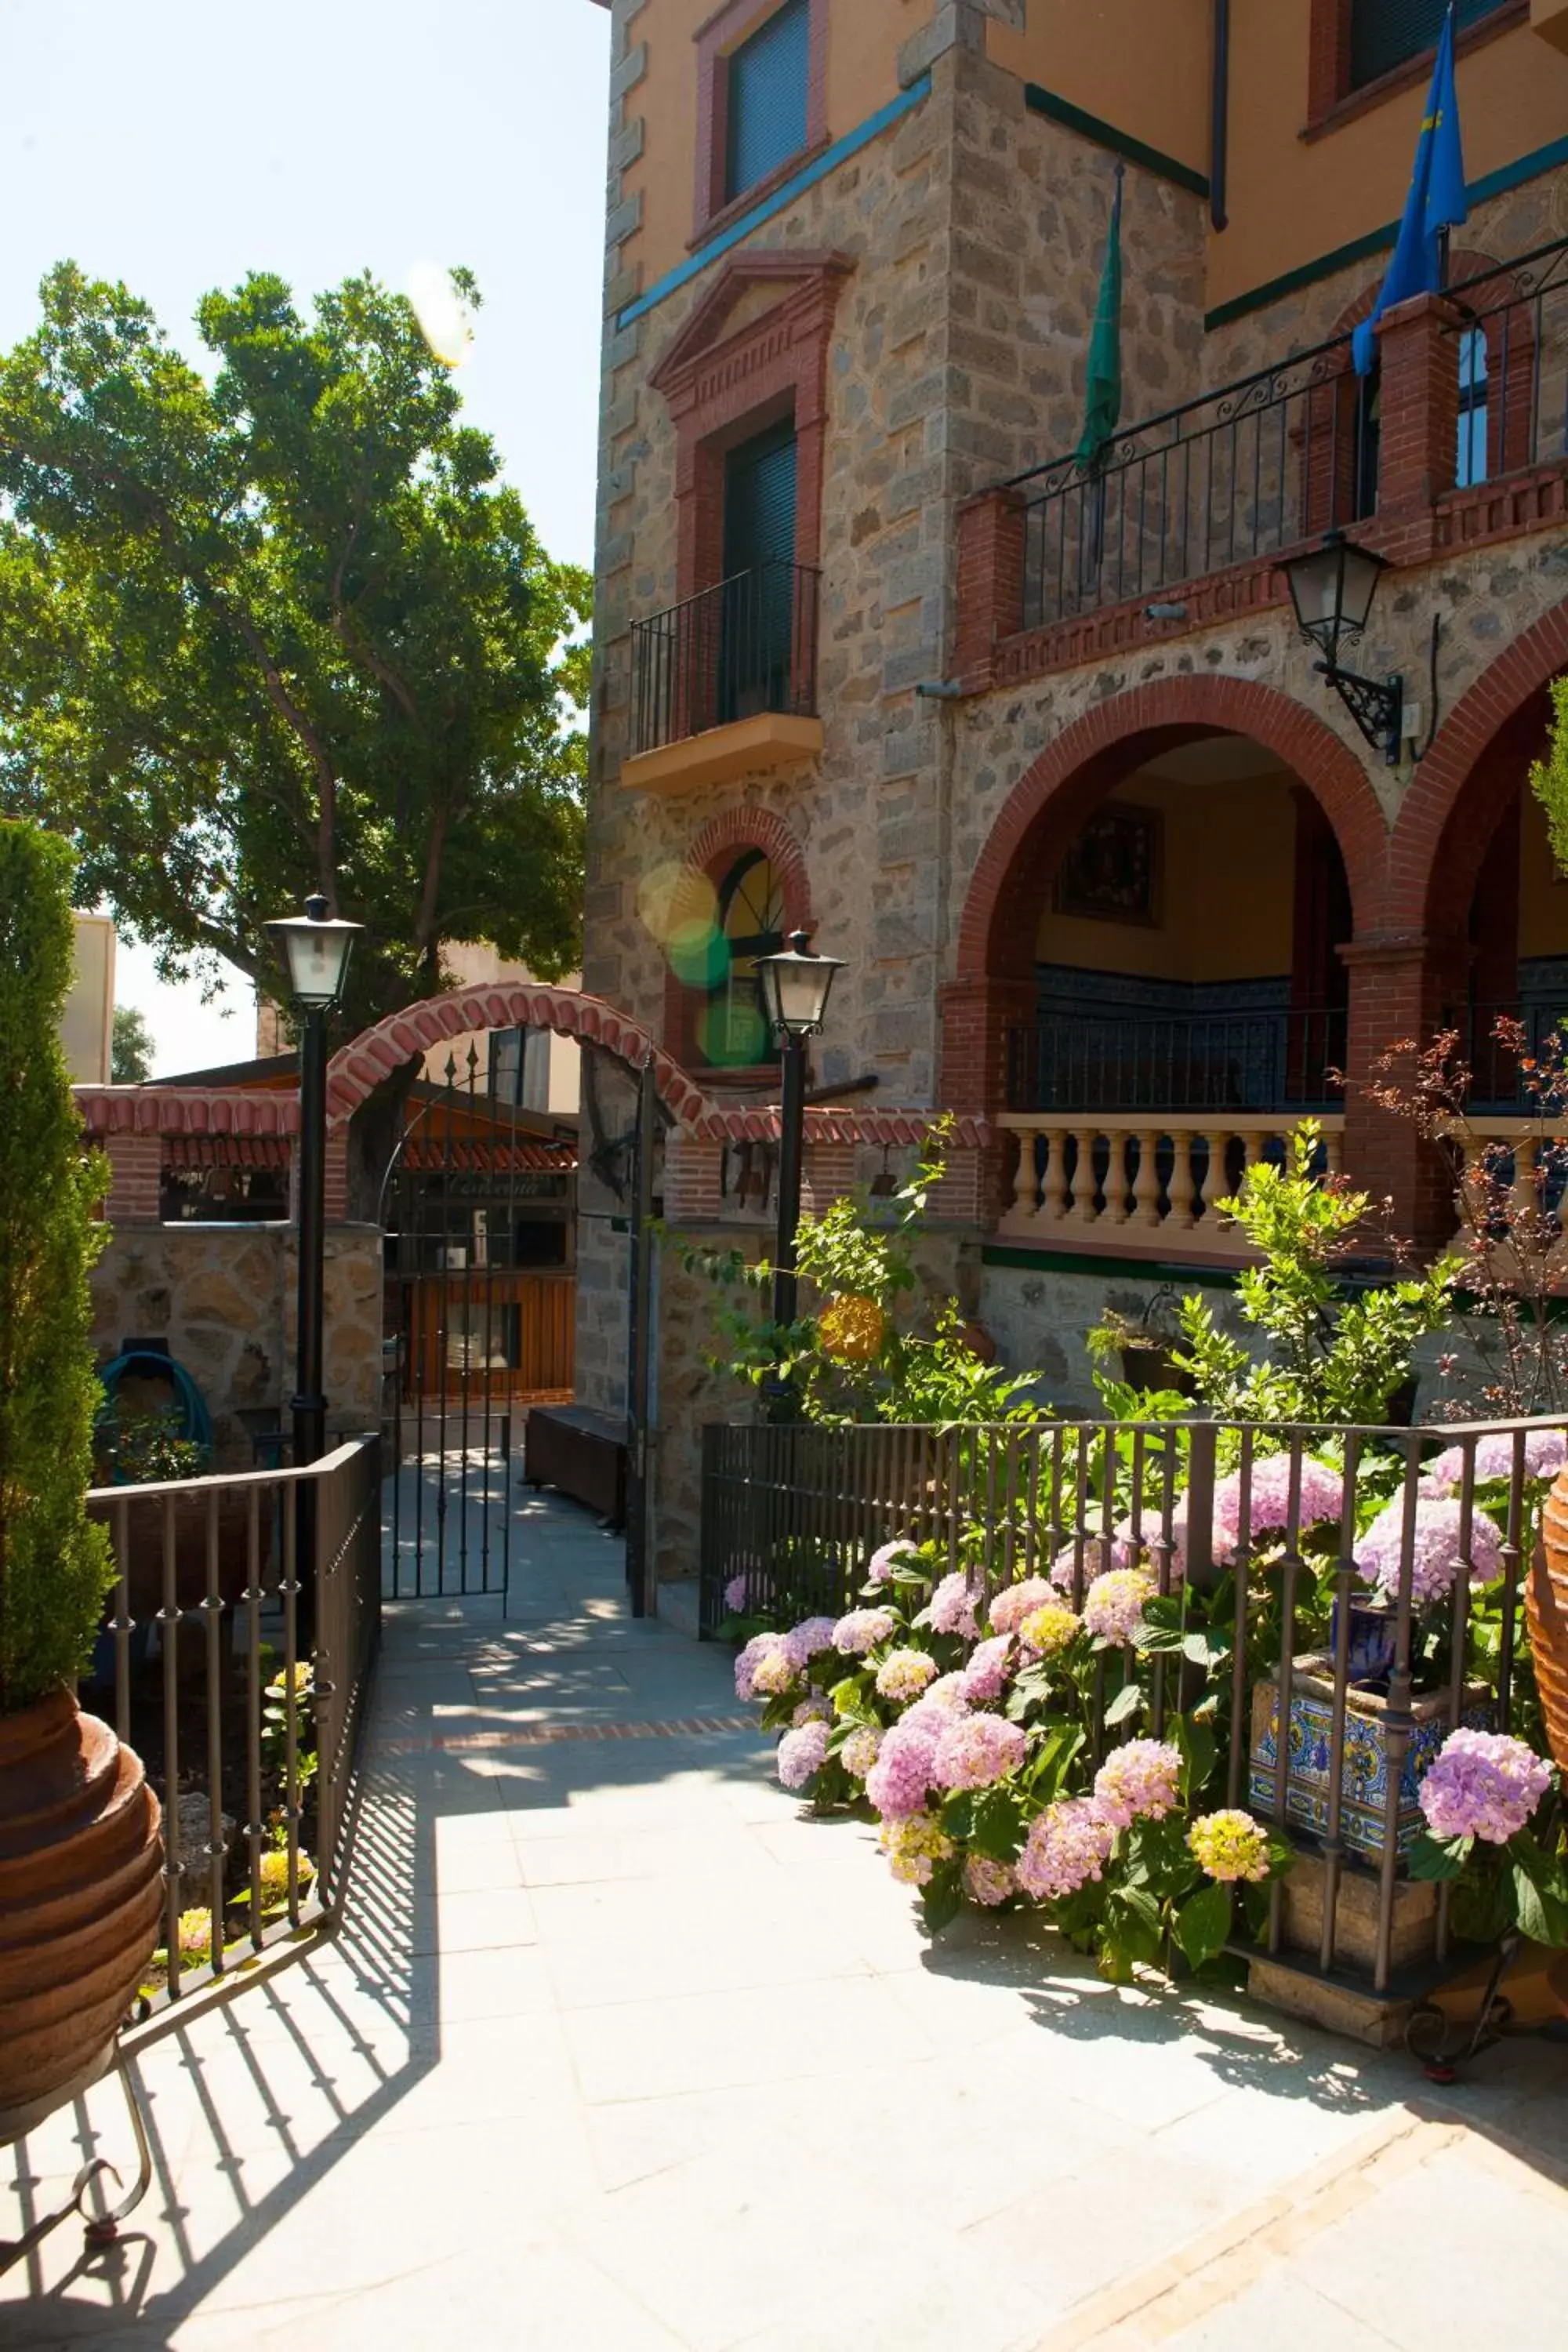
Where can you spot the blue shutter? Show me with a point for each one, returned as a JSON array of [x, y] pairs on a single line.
[[1386, 32], [767, 98]]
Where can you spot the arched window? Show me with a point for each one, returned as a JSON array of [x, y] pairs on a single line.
[[730, 1031]]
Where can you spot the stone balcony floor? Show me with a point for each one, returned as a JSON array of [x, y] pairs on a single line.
[[619, 2049]]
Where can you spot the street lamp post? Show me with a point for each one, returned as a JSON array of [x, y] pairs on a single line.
[[795, 985], [314, 948]]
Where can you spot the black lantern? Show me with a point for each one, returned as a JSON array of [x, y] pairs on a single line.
[[314, 948], [796, 986], [1331, 588]]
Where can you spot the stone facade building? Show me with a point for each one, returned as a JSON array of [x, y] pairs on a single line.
[[1035, 745]]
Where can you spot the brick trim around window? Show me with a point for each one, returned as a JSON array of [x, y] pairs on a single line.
[[1330, 100], [722, 387], [717, 40], [711, 856]]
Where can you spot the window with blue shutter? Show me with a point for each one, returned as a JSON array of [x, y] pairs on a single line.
[[1386, 33], [766, 88]]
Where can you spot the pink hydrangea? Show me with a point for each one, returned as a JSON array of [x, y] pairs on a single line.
[[738, 1595], [815, 1709], [1435, 1552], [901, 1778], [1067, 1844], [976, 1750], [985, 1675], [952, 1606], [1013, 1602], [1483, 1784], [1113, 1605], [1139, 1781], [945, 1698], [1545, 1452], [810, 1637], [988, 1882], [861, 1631], [802, 1754], [1322, 1498], [859, 1751], [748, 1660], [904, 1673], [881, 1566], [1100, 1554]]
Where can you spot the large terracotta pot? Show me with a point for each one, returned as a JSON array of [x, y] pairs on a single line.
[[1546, 1614], [81, 1895]]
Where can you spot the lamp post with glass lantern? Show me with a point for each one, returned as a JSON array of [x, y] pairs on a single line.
[[1331, 588], [795, 985]]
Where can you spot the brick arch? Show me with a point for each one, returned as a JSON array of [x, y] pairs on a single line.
[[710, 853], [994, 984], [358, 1070], [1450, 811]]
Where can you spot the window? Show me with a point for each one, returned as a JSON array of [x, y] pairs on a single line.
[[1470, 459], [757, 619], [1386, 33], [731, 1032], [767, 83], [509, 1056]]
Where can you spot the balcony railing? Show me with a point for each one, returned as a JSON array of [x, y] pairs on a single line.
[[1184, 1062], [1499, 1074], [1513, 389], [745, 648]]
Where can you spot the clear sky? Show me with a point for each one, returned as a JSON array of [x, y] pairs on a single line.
[[177, 144]]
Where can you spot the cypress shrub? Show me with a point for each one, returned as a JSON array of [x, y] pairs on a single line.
[[54, 1564]]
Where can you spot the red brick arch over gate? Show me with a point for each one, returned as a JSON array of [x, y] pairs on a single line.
[[994, 984]]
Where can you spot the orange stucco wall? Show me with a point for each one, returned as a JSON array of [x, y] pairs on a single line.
[[863, 42], [1142, 65]]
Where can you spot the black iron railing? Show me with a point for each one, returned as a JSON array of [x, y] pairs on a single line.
[[1181, 1062], [1512, 355], [746, 647], [1501, 1069]]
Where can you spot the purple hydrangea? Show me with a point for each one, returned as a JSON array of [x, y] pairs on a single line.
[[898, 1782], [738, 1595], [1015, 1601], [976, 1750], [1435, 1552], [1113, 1605], [802, 1754], [985, 1675], [1545, 1452], [952, 1606], [760, 1646], [988, 1882], [1139, 1781], [812, 1635], [815, 1709], [1483, 1784], [888, 1556], [861, 1631], [1067, 1844]]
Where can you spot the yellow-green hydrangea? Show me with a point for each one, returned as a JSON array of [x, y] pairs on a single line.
[[914, 1845], [1048, 1630], [1229, 1844]]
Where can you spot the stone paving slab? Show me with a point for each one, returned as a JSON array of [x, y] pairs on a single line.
[[620, 2049]]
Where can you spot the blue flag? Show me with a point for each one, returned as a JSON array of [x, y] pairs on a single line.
[[1436, 201]]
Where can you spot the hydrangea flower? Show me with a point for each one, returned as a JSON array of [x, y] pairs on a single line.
[[1483, 1784], [952, 1606], [812, 1635], [774, 1674], [1101, 1555], [945, 1699], [1229, 1844], [985, 1675], [1113, 1605], [861, 1631], [1435, 1552], [988, 1882], [881, 1566], [1016, 1602], [901, 1778], [1545, 1452], [976, 1750], [815, 1709], [747, 1661], [802, 1754], [858, 1752], [1322, 1498], [1067, 1844], [915, 1845], [738, 1595], [1139, 1781], [1047, 1629], [904, 1673]]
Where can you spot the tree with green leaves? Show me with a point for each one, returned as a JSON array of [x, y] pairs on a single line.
[[281, 628], [1548, 777], [55, 1565], [131, 1047]]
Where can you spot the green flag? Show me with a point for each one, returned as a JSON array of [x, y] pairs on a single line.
[[1102, 388]]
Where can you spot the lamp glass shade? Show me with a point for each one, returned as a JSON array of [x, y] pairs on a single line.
[[795, 985], [1358, 586], [1331, 588], [314, 948]]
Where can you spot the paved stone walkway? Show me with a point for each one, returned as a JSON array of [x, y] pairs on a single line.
[[620, 2049]]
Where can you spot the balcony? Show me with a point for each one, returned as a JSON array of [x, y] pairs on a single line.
[[1085, 1060], [725, 685]]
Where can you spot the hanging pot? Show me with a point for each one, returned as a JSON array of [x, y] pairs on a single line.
[[1546, 1614], [81, 1897]]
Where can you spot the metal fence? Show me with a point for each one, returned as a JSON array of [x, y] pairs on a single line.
[[245, 1719], [1096, 1060], [795, 1511], [1511, 349], [743, 648]]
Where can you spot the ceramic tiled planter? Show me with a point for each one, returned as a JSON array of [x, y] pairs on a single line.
[[1364, 1787]]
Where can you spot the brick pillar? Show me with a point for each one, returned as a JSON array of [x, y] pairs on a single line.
[[691, 1192], [828, 1174], [136, 1164], [336, 1187], [1402, 985], [1419, 360], [977, 1016], [990, 582]]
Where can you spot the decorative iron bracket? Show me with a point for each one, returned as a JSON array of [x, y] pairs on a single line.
[[1376, 705]]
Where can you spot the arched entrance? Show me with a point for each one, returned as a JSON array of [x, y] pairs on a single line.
[[485, 1190]]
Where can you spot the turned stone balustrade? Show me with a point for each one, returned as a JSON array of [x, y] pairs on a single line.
[[1532, 1163], [1141, 1182]]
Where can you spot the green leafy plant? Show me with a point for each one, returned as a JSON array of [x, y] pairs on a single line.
[[54, 1564], [139, 1449]]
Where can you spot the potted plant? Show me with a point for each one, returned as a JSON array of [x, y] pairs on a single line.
[[80, 1848]]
